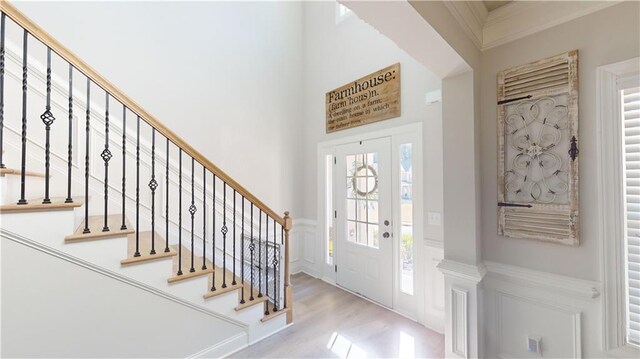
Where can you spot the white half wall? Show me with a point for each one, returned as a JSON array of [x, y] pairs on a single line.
[[73, 311]]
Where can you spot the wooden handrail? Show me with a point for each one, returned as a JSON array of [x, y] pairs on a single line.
[[37, 32]]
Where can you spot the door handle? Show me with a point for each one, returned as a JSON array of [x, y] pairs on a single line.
[[385, 235], [386, 222]]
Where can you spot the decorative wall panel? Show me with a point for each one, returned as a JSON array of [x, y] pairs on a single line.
[[538, 150]]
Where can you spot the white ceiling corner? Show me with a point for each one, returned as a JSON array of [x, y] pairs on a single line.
[[516, 19]]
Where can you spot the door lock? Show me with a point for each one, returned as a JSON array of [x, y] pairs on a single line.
[[385, 235]]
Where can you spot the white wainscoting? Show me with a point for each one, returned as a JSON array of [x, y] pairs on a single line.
[[434, 301], [304, 256], [564, 312]]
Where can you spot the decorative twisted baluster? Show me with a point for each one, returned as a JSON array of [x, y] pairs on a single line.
[[137, 252], [180, 213], [204, 217], [192, 211], [70, 134], [153, 184], [23, 166], [2, 36], [48, 119], [106, 157], [224, 231], [275, 273], [123, 225]]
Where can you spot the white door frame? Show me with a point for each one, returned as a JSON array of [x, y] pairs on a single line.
[[410, 306]]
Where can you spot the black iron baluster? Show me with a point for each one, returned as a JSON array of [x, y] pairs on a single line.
[[279, 266], [252, 248], [166, 201], [192, 211], [106, 156], [153, 184], [234, 238], [137, 253], [275, 274], [48, 119], [2, 36], [242, 254], [213, 231], [266, 262], [204, 217], [23, 166], [259, 254], [123, 226], [70, 144], [224, 234], [180, 213], [86, 160]]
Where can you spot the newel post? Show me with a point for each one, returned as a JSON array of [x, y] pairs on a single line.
[[288, 294]]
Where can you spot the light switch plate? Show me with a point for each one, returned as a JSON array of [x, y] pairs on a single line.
[[434, 219]]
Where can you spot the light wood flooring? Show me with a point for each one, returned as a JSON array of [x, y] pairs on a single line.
[[332, 323]]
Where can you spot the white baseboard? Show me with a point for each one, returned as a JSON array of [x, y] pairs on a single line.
[[223, 349]]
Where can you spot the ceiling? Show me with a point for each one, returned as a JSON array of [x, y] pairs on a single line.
[[492, 5]]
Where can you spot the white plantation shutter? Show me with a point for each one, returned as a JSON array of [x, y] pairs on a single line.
[[631, 131]]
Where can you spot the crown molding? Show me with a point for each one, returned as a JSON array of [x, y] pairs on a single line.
[[471, 15], [517, 19]]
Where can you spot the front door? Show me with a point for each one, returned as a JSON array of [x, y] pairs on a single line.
[[364, 219]]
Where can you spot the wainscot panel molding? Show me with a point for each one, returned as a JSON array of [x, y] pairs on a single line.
[[563, 312], [303, 247], [434, 297], [462, 305]]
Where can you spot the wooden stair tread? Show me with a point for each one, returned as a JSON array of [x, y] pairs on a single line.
[[186, 265], [249, 303], [96, 223], [144, 247], [273, 314], [17, 172], [57, 203], [219, 290]]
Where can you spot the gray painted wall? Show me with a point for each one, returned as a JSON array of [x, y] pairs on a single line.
[[604, 37]]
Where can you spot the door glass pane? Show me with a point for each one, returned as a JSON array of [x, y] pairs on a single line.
[[362, 198], [406, 218], [351, 209], [351, 231], [329, 208]]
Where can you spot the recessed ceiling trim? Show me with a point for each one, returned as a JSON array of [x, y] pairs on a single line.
[[516, 19], [471, 15]]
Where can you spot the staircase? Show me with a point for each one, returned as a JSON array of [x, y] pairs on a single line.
[[88, 174]]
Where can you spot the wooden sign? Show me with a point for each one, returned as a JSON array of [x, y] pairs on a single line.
[[370, 99]]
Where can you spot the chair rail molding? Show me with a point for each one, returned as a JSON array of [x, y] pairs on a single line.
[[610, 205], [574, 287]]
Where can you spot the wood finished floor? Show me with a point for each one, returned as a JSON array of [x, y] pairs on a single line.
[[332, 323]]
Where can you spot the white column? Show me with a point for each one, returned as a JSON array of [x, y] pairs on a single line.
[[462, 265]]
